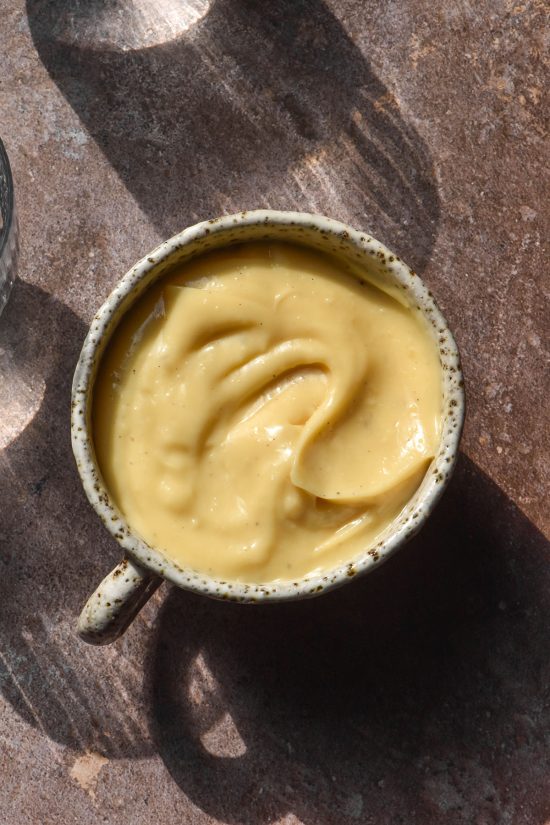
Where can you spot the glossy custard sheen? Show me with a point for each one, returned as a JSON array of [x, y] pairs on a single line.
[[260, 414]]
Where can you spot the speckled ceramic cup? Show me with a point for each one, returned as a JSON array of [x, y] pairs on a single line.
[[125, 590]]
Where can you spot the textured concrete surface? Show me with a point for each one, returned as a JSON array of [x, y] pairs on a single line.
[[422, 693]]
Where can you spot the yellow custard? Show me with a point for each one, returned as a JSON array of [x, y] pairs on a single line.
[[260, 415]]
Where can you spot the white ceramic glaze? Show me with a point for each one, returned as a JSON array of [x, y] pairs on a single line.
[[120, 596]]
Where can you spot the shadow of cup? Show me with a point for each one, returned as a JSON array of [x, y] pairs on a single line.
[[417, 685]]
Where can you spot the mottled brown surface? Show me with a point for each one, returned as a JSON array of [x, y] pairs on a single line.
[[421, 694]]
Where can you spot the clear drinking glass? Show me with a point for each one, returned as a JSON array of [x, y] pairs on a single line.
[[9, 239]]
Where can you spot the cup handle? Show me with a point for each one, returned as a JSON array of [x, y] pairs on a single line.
[[116, 602]]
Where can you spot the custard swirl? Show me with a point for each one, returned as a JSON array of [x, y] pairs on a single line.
[[261, 415]]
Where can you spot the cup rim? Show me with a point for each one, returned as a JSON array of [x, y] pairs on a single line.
[[124, 295]]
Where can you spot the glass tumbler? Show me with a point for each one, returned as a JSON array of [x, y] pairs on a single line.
[[8, 229]]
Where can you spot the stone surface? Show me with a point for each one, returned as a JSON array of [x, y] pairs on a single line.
[[421, 693]]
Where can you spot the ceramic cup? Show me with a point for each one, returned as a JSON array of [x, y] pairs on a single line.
[[125, 590]]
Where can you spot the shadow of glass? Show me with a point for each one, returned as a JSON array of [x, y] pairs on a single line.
[[418, 694], [53, 549], [257, 105]]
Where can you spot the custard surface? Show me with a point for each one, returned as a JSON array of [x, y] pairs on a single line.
[[260, 415]]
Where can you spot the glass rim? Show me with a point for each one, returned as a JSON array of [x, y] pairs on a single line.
[[8, 217]]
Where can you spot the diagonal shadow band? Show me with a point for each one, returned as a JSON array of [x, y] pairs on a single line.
[[256, 105], [422, 688]]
